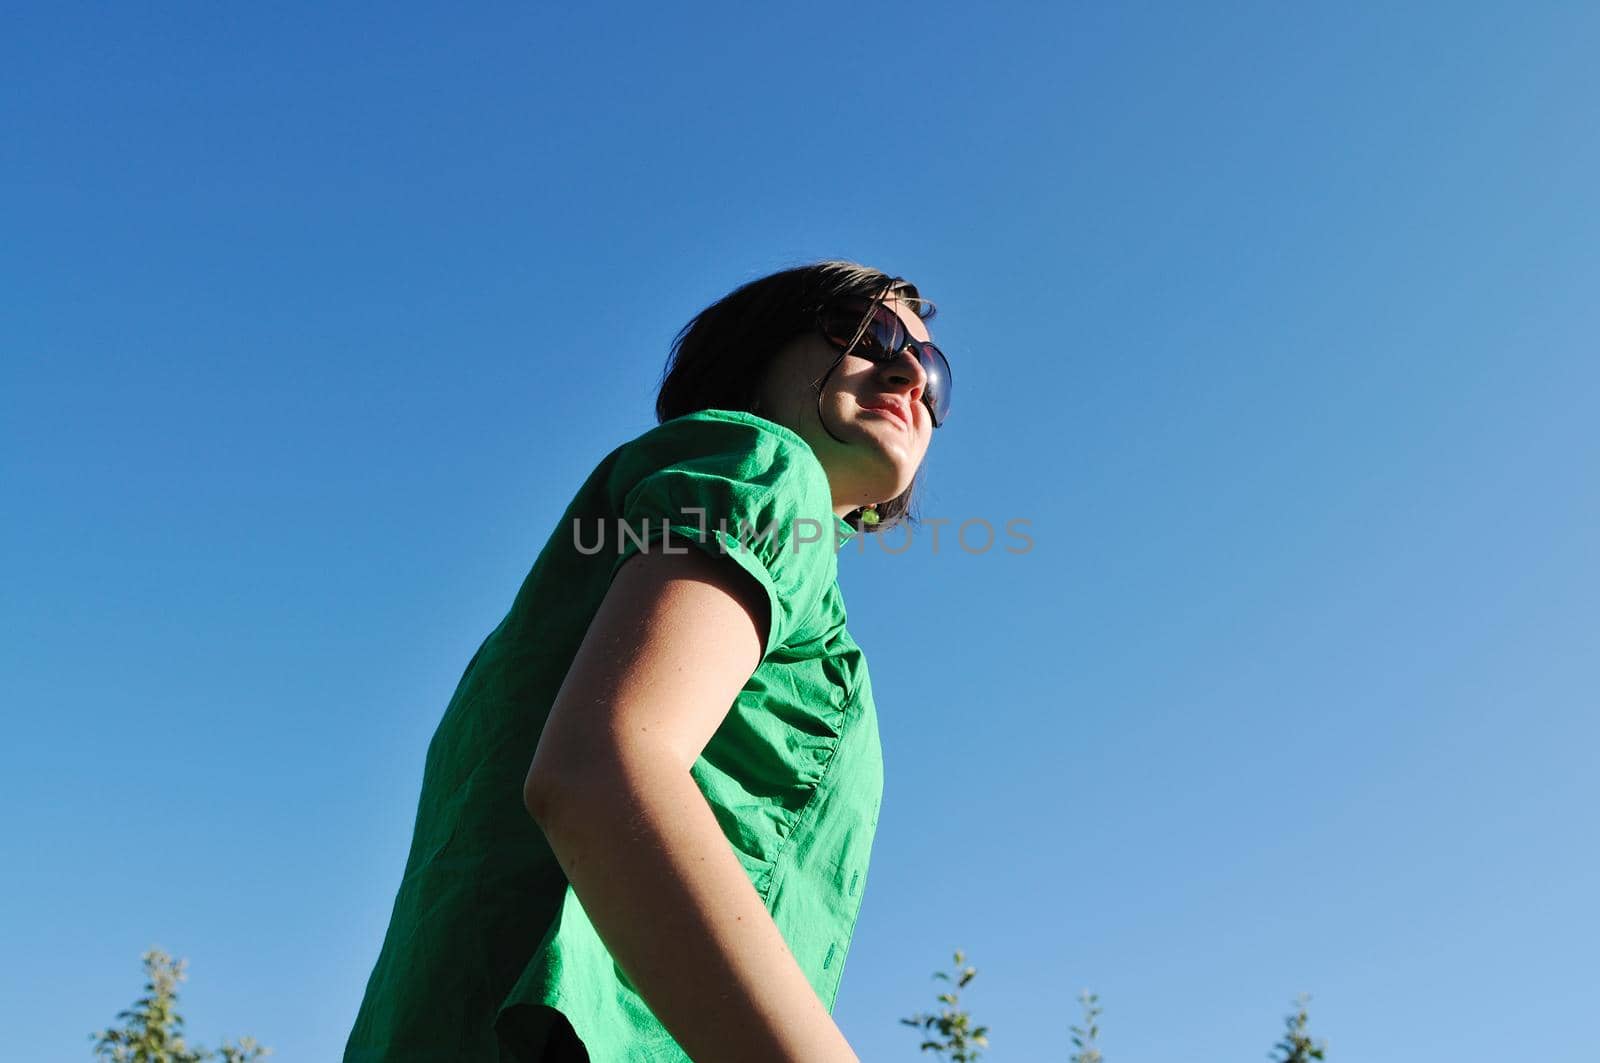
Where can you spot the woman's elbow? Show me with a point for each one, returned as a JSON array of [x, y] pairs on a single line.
[[538, 796], [550, 795], [567, 792], [549, 776]]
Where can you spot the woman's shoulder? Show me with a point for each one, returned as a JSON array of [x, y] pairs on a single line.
[[741, 446], [727, 428]]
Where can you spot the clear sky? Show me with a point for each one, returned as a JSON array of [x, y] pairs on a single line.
[[1276, 322]]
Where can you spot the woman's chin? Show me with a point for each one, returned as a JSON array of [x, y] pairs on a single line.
[[897, 455]]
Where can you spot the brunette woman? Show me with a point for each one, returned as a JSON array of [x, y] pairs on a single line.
[[647, 814]]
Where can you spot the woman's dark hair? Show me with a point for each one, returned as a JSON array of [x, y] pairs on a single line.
[[720, 358]]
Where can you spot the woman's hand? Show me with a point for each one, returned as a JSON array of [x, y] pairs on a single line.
[[668, 651]]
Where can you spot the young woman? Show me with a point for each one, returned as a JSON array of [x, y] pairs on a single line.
[[647, 814]]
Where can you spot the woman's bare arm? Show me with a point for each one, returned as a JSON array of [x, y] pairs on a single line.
[[675, 639]]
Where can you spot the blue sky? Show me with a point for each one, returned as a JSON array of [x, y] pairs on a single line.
[[1275, 322]]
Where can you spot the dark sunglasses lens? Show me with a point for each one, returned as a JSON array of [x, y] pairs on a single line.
[[839, 324], [885, 333], [937, 389]]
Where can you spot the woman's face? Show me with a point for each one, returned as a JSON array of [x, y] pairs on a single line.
[[869, 453]]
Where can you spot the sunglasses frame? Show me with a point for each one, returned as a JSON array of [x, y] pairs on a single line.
[[925, 352]]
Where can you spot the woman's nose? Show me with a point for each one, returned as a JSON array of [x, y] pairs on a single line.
[[907, 367]]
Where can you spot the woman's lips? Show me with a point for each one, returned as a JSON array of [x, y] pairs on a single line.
[[891, 411]]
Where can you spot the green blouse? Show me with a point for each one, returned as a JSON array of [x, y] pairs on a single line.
[[487, 940]]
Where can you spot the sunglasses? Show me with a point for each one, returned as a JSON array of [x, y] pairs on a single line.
[[880, 338]]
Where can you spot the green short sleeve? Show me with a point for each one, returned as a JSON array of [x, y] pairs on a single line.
[[739, 486]]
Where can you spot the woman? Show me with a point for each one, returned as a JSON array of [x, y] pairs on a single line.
[[647, 814]]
